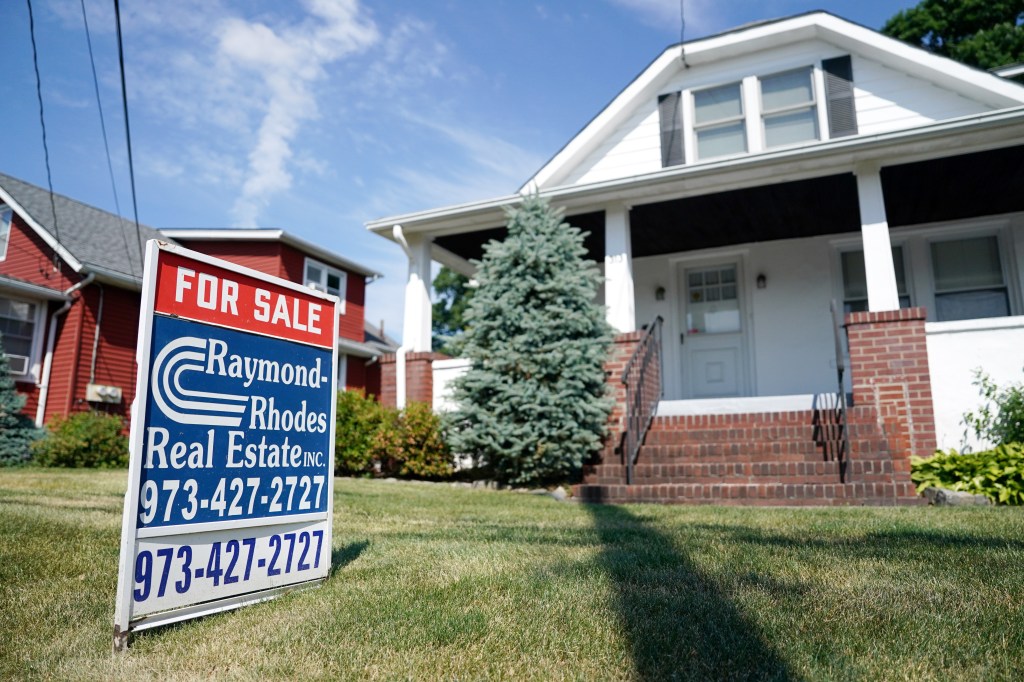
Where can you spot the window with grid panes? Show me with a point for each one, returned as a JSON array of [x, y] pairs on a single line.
[[788, 109], [325, 278], [719, 124], [17, 331], [969, 281]]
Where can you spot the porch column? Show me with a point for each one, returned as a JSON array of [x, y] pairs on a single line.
[[878, 266], [618, 270], [416, 321]]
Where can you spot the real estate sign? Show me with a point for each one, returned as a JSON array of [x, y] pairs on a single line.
[[231, 472]]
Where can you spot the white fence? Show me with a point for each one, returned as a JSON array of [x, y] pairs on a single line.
[[445, 373], [955, 350]]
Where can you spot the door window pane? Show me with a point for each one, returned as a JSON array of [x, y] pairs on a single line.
[[712, 302]]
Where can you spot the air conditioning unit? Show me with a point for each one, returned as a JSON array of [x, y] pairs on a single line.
[[98, 393], [18, 364]]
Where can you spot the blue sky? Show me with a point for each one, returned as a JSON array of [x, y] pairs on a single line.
[[316, 116]]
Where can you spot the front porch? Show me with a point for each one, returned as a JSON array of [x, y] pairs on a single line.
[[742, 259]]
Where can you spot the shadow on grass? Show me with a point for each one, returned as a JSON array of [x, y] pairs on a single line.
[[343, 556], [679, 623]]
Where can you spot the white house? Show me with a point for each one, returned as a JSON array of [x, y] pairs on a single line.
[[743, 181]]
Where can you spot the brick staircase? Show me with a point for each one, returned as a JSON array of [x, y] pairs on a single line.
[[780, 458]]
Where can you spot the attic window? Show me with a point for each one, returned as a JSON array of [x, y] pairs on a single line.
[[6, 215], [719, 124], [325, 278], [788, 109]]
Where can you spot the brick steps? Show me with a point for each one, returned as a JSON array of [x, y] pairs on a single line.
[[820, 472], [760, 494]]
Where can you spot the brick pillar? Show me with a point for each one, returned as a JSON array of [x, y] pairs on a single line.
[[621, 351], [419, 378], [889, 372]]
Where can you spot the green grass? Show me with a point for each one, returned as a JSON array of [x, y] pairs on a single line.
[[432, 582]]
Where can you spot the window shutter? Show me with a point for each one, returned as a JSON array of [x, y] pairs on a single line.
[[842, 112], [670, 116]]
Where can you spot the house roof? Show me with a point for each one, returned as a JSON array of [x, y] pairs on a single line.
[[89, 239], [753, 38], [375, 336], [269, 234]]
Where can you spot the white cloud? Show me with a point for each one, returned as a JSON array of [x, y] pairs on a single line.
[[288, 61]]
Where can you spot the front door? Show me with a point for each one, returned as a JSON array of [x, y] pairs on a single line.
[[712, 339]]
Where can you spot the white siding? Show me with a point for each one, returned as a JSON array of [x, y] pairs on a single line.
[[886, 100], [890, 100]]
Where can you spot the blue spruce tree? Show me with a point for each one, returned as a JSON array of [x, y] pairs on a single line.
[[16, 430], [533, 407]]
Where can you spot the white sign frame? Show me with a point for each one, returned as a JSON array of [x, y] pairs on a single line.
[[126, 618]]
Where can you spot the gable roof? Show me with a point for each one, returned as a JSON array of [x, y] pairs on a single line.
[[750, 39], [90, 239]]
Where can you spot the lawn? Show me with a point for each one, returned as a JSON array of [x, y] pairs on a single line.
[[432, 582]]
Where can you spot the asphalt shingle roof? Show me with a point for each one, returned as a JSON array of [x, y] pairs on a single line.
[[93, 236]]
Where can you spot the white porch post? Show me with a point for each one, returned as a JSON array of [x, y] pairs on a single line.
[[416, 320], [618, 270], [878, 266]]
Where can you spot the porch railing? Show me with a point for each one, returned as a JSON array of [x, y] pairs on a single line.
[[842, 443], [642, 379]]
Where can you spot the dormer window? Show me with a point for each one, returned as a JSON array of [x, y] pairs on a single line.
[[325, 278], [719, 125], [788, 108]]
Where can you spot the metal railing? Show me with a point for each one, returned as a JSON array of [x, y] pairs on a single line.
[[842, 455], [642, 379]]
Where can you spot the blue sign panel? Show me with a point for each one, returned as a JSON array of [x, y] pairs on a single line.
[[236, 426]]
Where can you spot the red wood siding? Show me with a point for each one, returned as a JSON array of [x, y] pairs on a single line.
[[30, 259], [355, 373], [351, 323], [266, 257]]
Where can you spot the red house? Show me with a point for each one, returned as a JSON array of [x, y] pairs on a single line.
[[70, 285]]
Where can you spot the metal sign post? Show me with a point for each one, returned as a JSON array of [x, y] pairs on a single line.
[[230, 493]]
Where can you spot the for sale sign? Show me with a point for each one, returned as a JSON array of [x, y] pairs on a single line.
[[230, 478]]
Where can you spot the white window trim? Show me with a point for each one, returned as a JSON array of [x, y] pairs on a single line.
[[6, 225], [742, 117], [917, 260], [342, 276], [34, 360], [342, 370], [813, 105]]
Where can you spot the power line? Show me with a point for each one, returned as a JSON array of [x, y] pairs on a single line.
[[127, 127], [103, 127], [42, 123]]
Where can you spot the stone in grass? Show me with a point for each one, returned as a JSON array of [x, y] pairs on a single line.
[[941, 497], [559, 494]]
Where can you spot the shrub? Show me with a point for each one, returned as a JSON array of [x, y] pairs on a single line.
[[85, 439], [1000, 419], [998, 474], [373, 439], [358, 420]]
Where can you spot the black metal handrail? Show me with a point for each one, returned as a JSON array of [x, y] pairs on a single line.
[[642, 378], [844, 443]]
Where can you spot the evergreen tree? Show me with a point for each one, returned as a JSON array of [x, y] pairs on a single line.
[[532, 407], [16, 430], [982, 33]]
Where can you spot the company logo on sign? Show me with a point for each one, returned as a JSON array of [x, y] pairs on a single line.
[[182, 357]]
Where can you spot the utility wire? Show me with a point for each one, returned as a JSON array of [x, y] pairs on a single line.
[[42, 124], [103, 127], [127, 127], [682, 32]]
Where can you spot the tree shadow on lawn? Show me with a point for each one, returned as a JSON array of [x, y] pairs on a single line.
[[679, 623]]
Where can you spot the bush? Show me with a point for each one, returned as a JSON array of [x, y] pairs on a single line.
[[1000, 419], [359, 418], [998, 474], [85, 439], [373, 439]]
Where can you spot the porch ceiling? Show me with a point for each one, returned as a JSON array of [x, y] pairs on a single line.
[[955, 187], [804, 208], [470, 245]]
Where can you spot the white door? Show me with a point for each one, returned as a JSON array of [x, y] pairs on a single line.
[[712, 340]]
